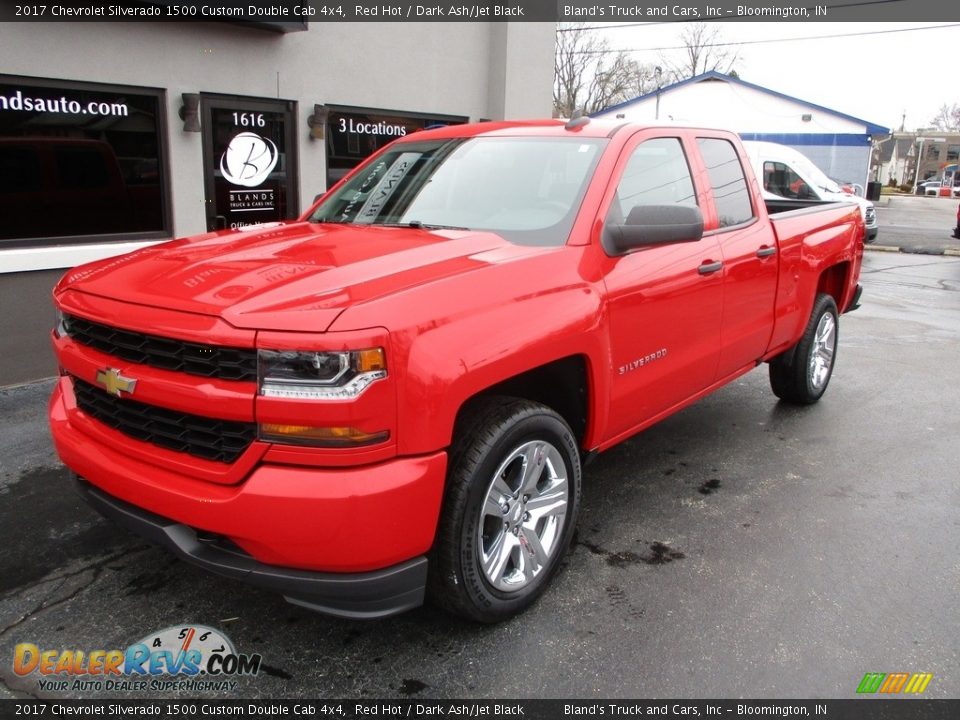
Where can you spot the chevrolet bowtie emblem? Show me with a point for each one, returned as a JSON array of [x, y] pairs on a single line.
[[115, 383]]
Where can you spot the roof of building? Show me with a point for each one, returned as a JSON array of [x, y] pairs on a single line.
[[886, 149], [714, 76]]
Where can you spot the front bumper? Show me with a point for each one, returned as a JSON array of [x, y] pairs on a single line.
[[356, 595], [349, 541]]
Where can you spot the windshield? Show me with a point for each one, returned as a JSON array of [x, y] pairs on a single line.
[[817, 176], [527, 190]]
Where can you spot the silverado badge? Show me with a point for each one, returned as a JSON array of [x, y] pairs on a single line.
[[115, 383]]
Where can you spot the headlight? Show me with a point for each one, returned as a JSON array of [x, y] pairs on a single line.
[[319, 375]]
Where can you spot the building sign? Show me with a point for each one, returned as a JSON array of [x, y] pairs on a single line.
[[353, 134], [249, 162], [80, 161]]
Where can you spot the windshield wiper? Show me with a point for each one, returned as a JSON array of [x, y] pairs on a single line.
[[420, 225]]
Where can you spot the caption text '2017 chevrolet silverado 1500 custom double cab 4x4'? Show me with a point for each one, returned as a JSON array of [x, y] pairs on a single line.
[[391, 397]]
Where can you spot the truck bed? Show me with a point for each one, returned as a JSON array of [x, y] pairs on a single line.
[[779, 206]]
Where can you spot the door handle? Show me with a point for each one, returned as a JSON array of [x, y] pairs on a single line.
[[709, 267], [766, 252]]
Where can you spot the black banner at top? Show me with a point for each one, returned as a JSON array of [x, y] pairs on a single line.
[[291, 15], [462, 709]]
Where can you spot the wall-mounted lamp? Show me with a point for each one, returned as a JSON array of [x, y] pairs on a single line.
[[190, 112], [318, 121], [806, 117]]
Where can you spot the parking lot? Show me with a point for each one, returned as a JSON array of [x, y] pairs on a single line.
[[742, 548], [918, 224]]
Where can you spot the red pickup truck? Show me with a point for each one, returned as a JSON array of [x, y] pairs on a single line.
[[392, 397]]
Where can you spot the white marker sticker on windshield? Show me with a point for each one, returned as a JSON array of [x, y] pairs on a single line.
[[386, 187], [584, 148]]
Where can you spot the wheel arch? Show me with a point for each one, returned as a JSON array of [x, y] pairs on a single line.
[[562, 385], [834, 281]]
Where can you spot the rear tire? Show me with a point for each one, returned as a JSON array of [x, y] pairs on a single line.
[[510, 508], [802, 376]]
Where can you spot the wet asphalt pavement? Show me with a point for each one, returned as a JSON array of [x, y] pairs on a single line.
[[918, 224], [742, 548]]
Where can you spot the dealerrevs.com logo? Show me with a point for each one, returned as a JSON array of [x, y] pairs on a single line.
[[172, 659], [894, 683]]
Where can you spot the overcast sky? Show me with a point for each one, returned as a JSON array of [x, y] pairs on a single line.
[[874, 77]]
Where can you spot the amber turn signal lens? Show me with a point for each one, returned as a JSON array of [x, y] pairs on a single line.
[[342, 437], [370, 360]]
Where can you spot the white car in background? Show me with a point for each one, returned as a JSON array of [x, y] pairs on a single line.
[[787, 173]]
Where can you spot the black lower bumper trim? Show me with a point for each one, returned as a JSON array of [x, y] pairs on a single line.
[[368, 595]]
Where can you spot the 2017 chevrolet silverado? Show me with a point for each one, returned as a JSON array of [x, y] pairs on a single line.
[[392, 396]]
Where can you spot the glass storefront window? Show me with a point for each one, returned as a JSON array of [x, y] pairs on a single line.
[[250, 158], [80, 162], [354, 134]]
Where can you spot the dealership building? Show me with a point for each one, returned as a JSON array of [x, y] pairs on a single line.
[[117, 135]]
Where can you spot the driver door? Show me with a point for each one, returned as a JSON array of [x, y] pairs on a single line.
[[665, 301]]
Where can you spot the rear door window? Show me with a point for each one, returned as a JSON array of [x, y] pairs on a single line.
[[730, 192]]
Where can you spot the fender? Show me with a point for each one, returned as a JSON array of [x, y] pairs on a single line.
[[453, 340]]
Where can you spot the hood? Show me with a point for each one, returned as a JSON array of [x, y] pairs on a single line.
[[298, 276]]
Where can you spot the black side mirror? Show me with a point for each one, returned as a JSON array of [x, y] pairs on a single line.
[[653, 225]]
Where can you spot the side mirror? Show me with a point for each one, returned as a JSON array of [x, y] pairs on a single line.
[[654, 225]]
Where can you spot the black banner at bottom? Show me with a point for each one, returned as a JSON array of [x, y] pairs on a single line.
[[854, 709]]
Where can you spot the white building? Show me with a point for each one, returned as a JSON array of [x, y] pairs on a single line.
[[839, 144], [114, 135]]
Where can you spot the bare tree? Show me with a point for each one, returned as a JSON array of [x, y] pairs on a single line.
[[705, 50], [947, 118], [589, 76]]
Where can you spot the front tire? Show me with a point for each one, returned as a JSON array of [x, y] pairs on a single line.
[[511, 504], [802, 376]]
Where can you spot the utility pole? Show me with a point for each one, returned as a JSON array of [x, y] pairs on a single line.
[[658, 74]]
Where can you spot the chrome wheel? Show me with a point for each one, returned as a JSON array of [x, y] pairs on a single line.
[[522, 516], [821, 355]]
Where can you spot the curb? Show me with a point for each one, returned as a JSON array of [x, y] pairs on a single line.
[[948, 252]]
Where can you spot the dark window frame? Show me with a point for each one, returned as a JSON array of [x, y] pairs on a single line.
[[163, 164]]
